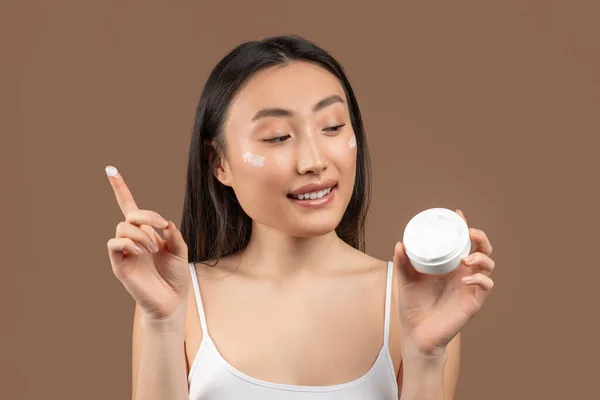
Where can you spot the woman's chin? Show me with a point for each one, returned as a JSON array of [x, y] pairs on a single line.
[[317, 228], [304, 226]]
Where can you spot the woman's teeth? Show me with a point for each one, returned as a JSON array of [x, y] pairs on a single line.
[[312, 195]]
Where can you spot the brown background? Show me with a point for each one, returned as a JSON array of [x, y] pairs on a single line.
[[491, 107]]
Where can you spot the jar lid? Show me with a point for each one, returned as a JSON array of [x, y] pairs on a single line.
[[435, 235]]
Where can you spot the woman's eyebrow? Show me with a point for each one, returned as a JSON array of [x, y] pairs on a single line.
[[281, 112]]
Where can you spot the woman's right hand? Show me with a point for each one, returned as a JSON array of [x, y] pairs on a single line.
[[154, 270]]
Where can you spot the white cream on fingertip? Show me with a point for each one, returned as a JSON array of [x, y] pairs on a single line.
[[253, 159], [111, 171], [352, 142]]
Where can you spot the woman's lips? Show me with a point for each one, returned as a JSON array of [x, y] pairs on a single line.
[[315, 187], [316, 203]]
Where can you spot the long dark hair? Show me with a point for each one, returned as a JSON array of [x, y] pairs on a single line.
[[213, 222]]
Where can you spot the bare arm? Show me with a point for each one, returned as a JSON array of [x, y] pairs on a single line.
[[153, 269], [432, 378], [452, 368], [135, 349], [159, 367]]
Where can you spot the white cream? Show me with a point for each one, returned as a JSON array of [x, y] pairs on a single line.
[[111, 171], [436, 240], [257, 161], [352, 142]]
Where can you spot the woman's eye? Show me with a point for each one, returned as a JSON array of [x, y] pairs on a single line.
[[277, 139], [335, 128]]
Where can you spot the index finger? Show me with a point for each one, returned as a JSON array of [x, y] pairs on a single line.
[[124, 196], [482, 242]]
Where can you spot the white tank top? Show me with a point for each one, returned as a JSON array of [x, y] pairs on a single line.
[[211, 377]]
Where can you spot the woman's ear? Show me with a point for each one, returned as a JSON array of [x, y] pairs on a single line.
[[218, 164], [222, 171]]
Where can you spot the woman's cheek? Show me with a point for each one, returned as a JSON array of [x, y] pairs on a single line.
[[255, 181], [262, 168], [346, 151], [343, 148], [352, 142]]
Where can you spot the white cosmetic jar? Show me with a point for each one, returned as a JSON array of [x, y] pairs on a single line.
[[436, 240]]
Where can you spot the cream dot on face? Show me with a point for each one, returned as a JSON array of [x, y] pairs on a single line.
[[253, 159], [352, 142]]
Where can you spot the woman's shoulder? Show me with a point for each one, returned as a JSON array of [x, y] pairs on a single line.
[[361, 262], [365, 273], [216, 268]]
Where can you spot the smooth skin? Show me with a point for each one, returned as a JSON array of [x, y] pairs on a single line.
[[297, 295]]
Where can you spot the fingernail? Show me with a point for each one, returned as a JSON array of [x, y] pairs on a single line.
[[111, 171], [467, 279], [154, 247], [469, 259], [138, 249], [164, 223]]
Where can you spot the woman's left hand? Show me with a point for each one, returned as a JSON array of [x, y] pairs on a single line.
[[434, 308]]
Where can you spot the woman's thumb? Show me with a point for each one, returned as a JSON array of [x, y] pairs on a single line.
[[174, 240], [402, 262]]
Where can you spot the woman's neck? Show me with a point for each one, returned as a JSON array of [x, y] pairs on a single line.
[[273, 253]]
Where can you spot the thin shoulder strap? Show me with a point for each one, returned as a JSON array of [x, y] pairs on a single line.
[[198, 299], [388, 300]]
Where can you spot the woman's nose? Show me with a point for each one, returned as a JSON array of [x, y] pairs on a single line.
[[311, 157]]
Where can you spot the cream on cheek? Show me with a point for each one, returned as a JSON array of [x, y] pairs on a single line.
[[254, 159], [352, 142]]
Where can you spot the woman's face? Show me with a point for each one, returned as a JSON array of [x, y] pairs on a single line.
[[287, 128]]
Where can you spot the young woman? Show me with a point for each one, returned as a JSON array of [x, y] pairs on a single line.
[[266, 292]]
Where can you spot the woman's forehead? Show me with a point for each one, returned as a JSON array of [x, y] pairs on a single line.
[[297, 87]]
